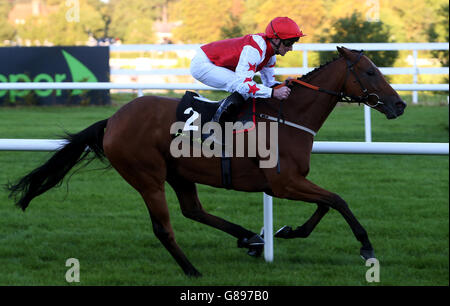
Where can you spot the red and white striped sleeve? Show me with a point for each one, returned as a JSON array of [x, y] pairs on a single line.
[[268, 73], [249, 60]]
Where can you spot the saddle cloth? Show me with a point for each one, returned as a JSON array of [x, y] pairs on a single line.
[[192, 106]]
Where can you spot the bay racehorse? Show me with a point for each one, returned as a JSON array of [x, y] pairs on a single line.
[[136, 142]]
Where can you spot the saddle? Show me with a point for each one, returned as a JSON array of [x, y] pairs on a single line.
[[194, 106]]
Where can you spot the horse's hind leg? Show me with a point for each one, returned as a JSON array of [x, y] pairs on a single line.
[[159, 214], [149, 180], [191, 208]]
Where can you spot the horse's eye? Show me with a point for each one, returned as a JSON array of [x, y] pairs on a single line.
[[370, 72]]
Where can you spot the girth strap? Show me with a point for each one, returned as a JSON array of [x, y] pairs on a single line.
[[225, 162], [291, 124]]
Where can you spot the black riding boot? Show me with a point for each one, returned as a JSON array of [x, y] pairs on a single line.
[[227, 109]]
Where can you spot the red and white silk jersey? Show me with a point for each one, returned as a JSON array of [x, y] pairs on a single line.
[[245, 56]]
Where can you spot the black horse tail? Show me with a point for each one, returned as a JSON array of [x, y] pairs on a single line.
[[52, 172]]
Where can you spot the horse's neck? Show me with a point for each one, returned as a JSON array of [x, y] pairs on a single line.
[[312, 107]]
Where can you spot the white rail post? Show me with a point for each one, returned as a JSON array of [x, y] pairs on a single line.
[[268, 228], [305, 59], [367, 124], [416, 71]]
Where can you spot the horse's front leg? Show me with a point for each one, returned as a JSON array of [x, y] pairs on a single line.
[[360, 233], [301, 189]]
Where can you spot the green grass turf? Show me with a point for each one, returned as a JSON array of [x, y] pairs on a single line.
[[402, 201]]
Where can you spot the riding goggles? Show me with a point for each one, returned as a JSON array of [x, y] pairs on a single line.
[[290, 41]]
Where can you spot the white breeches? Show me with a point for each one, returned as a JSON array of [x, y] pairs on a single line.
[[203, 70]]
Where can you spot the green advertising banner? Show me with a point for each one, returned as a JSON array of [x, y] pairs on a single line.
[[54, 64]]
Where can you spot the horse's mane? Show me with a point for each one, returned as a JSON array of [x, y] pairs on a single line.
[[308, 76]]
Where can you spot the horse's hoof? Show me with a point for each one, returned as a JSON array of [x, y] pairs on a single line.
[[256, 241], [253, 241], [255, 251], [284, 232], [367, 253], [255, 245]]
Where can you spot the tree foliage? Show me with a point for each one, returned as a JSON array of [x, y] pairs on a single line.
[[355, 29], [232, 28], [63, 27], [7, 31], [410, 20], [202, 21], [438, 32], [308, 14], [132, 21]]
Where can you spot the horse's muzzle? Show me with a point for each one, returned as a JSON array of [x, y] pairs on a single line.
[[400, 107], [395, 109]]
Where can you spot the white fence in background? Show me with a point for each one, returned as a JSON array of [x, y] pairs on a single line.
[[179, 86], [188, 51], [190, 86]]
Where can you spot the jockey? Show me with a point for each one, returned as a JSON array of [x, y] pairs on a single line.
[[231, 64]]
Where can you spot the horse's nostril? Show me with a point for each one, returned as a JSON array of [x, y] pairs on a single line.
[[400, 105]]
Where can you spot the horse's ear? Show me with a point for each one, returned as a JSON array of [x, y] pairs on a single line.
[[341, 50]]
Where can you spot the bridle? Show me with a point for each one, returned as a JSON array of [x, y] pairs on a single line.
[[366, 97], [369, 99]]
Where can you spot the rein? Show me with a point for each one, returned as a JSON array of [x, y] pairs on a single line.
[[369, 99]]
